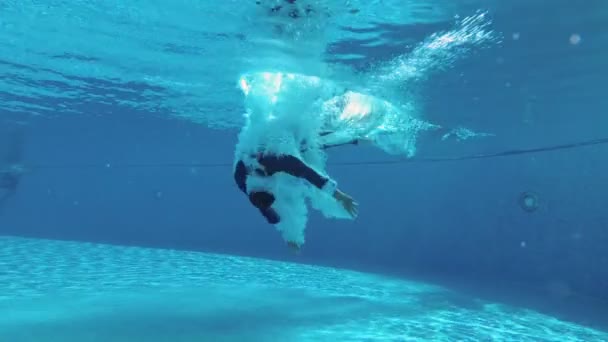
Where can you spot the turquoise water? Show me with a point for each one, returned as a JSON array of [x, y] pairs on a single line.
[[130, 111], [69, 291], [180, 58]]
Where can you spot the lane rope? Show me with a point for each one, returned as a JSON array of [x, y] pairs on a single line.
[[506, 153]]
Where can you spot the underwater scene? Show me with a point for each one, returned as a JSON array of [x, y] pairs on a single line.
[[303, 170]]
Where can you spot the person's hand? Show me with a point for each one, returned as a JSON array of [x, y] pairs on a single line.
[[348, 203]]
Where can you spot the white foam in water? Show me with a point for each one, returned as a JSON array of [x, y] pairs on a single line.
[[286, 110], [68, 291], [436, 53], [463, 133], [282, 114]]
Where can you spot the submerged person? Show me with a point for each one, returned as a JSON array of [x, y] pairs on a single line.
[[285, 111], [292, 119], [280, 157]]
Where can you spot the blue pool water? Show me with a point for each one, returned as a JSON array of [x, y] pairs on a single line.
[[120, 120]]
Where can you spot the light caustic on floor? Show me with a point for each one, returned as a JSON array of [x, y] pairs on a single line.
[[68, 291]]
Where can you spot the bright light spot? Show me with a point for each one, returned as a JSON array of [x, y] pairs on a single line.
[[277, 82], [516, 36], [523, 244], [355, 108], [575, 39], [244, 86]]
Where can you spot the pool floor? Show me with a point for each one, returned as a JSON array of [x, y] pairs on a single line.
[[72, 291]]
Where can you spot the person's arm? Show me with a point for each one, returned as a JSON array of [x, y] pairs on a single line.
[[297, 168]]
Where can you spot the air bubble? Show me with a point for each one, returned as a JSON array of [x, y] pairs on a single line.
[[575, 39]]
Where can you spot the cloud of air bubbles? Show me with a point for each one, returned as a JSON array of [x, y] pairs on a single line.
[[438, 52]]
